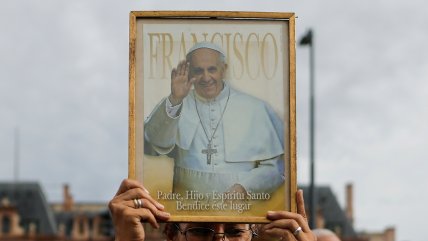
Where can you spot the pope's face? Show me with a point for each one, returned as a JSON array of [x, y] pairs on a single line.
[[208, 71]]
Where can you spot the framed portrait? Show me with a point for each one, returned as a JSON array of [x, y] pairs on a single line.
[[212, 117]]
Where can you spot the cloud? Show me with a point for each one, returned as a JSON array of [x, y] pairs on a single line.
[[64, 83]]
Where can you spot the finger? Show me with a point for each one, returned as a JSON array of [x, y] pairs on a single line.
[[280, 224], [190, 82], [156, 213], [138, 215], [145, 203], [281, 234], [278, 216], [147, 216], [173, 73], [301, 204], [181, 67], [123, 210], [127, 184], [186, 70], [286, 230], [178, 68], [138, 193]]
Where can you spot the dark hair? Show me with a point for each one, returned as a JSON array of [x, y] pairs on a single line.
[[170, 230]]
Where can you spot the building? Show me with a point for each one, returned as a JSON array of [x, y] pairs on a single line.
[[341, 221], [24, 212], [329, 214], [26, 215], [386, 235]]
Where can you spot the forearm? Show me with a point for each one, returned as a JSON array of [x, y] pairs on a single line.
[[160, 129]]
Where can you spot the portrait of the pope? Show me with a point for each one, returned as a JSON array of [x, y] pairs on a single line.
[[219, 138]]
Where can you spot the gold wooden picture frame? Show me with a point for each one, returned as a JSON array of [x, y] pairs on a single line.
[[225, 150]]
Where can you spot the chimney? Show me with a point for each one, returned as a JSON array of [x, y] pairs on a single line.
[[389, 234], [320, 219], [349, 209], [68, 198]]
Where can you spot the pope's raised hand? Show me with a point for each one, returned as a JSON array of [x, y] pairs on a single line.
[[180, 83]]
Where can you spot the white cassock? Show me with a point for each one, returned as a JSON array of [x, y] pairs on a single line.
[[248, 142]]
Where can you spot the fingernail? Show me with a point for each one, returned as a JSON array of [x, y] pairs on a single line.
[[147, 191], [160, 206]]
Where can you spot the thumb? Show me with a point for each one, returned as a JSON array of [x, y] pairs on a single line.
[[300, 203], [191, 82]]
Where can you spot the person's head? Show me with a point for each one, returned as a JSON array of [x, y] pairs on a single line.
[[207, 66], [208, 232], [325, 235]]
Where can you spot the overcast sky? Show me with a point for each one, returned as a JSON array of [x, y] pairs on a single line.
[[64, 86]]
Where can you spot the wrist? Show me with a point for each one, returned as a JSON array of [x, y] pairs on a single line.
[[174, 101]]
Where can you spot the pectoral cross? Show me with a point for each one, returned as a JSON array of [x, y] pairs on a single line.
[[209, 151]]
